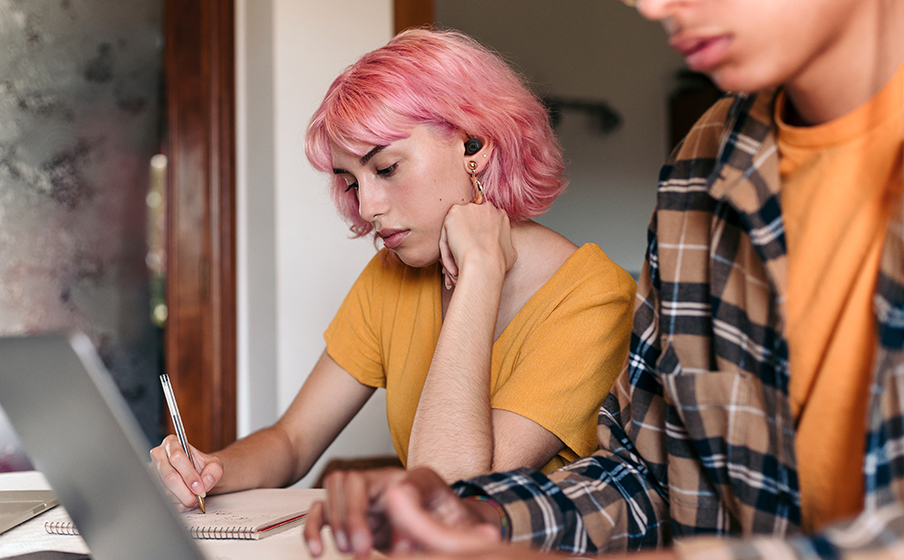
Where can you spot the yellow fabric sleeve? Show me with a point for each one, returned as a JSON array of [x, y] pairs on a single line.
[[557, 360]]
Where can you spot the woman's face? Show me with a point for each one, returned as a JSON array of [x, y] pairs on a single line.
[[406, 187]]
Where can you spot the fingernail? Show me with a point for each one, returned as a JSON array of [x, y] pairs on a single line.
[[314, 547], [208, 481], [197, 488], [402, 546], [359, 541], [341, 541]]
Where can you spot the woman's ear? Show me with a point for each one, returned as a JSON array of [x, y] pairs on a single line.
[[476, 153]]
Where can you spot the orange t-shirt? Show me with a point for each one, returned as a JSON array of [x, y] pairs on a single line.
[[554, 363], [838, 183]]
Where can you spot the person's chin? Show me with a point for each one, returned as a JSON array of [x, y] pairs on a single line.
[[414, 259], [745, 79]]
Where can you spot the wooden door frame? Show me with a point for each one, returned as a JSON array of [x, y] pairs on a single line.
[[412, 13], [200, 341]]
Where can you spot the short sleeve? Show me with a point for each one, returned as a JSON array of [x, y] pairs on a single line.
[[563, 362], [352, 339]]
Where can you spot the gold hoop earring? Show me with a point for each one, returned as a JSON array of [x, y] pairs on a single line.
[[478, 186]]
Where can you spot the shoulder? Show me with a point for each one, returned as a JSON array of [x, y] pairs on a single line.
[[590, 273], [727, 136], [730, 120]]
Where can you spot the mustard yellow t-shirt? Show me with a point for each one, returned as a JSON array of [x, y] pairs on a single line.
[[839, 180], [554, 363]]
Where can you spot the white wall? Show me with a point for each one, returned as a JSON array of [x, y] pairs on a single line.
[[590, 50], [295, 259]]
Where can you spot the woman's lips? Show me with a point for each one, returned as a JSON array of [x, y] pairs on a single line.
[[393, 238], [702, 53]]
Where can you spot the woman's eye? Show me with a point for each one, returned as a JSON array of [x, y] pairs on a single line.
[[388, 170], [352, 186]]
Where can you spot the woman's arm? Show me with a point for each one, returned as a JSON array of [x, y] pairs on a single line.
[[455, 432], [275, 456]]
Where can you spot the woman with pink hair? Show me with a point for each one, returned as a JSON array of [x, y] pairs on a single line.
[[495, 338]]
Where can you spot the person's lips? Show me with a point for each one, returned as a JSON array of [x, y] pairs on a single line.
[[701, 53], [392, 238]]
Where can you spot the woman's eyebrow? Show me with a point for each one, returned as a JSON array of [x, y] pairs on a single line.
[[371, 154], [367, 157]]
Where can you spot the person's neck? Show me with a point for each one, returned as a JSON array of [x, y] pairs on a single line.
[[851, 70]]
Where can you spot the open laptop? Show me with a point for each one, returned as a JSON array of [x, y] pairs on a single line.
[[79, 432], [18, 506]]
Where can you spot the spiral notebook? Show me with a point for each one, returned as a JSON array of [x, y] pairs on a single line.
[[248, 515]]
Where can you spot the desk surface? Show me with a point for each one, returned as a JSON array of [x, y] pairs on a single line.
[[31, 536]]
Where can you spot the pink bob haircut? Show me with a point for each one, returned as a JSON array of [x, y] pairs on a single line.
[[448, 81]]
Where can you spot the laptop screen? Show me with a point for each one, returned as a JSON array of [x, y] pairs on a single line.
[[79, 432], [18, 506]]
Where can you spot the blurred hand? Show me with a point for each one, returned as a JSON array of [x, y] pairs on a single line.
[[475, 233], [497, 551], [397, 510], [503, 551], [179, 477]]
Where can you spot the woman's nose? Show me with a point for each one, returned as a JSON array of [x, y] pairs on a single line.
[[371, 202]]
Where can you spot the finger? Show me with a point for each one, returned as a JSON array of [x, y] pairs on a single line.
[[418, 525], [450, 269], [376, 482], [183, 465], [172, 478], [162, 468], [313, 524], [357, 503], [447, 279], [209, 468], [211, 474], [403, 545], [412, 522], [431, 514], [445, 253], [335, 509]]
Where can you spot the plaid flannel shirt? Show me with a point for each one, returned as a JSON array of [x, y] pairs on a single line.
[[697, 436]]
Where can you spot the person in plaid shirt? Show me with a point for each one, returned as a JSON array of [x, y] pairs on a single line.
[[761, 410]]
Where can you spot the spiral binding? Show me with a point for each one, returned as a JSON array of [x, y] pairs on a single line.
[[60, 528], [235, 533]]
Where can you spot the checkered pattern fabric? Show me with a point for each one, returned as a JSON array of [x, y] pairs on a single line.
[[697, 436]]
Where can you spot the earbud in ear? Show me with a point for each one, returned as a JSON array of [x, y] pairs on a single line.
[[472, 146]]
